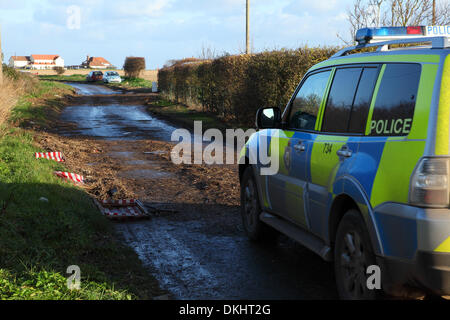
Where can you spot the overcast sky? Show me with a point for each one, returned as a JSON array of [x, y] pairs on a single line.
[[161, 30]]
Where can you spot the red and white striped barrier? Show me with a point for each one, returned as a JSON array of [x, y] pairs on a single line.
[[123, 212], [121, 209], [56, 156], [76, 178]]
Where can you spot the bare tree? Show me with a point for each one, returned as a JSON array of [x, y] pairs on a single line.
[[208, 53], [376, 7], [419, 12], [358, 17], [372, 13], [411, 12], [364, 13], [443, 13]]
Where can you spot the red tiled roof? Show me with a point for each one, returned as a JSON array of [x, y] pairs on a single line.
[[98, 61], [20, 58], [45, 56]]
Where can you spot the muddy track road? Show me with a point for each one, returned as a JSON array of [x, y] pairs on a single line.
[[199, 251]]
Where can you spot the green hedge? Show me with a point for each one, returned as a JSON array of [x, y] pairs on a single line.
[[234, 87]]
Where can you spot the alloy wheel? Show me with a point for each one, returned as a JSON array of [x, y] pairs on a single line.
[[250, 204], [353, 261]]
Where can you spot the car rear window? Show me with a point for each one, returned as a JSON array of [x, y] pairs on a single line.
[[396, 100]]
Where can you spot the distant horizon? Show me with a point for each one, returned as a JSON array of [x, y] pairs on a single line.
[[163, 30]]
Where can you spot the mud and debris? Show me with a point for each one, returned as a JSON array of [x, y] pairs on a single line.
[[143, 170], [194, 244]]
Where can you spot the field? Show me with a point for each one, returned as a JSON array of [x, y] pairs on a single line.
[[150, 75]]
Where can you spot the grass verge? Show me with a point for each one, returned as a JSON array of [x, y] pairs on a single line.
[[68, 78], [47, 225], [40, 107], [136, 83], [127, 82], [133, 84]]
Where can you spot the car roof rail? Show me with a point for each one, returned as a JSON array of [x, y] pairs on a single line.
[[437, 36]]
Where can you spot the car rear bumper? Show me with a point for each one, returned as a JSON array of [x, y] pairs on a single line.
[[415, 246], [430, 272], [433, 270]]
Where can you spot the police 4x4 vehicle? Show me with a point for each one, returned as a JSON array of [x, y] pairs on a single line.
[[364, 163]]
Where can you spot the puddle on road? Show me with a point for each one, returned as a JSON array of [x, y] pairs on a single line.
[[145, 174], [158, 152], [136, 162], [121, 154], [90, 89], [115, 122]]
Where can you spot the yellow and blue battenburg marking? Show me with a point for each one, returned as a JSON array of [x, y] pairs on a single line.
[[444, 247], [380, 170]]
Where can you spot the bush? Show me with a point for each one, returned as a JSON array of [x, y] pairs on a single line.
[[60, 70], [234, 87], [14, 85], [10, 73], [133, 66]]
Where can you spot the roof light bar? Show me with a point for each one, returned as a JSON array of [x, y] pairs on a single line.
[[373, 35]]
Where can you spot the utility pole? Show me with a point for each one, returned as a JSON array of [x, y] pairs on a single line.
[[434, 13], [247, 51]]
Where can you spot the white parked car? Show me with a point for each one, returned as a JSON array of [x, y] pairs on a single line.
[[111, 77]]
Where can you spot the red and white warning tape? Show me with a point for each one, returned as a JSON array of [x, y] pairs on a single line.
[[76, 178], [122, 212], [56, 156], [115, 209]]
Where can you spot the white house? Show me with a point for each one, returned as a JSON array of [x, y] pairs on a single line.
[[19, 62], [96, 63], [37, 61], [46, 61]]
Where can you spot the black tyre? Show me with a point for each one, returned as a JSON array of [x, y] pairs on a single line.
[[251, 210], [353, 254]]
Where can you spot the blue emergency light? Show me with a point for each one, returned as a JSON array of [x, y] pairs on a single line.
[[438, 36], [367, 35]]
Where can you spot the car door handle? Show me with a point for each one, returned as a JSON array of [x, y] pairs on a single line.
[[345, 152], [300, 147]]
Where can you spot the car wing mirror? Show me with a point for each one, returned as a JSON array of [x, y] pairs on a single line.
[[268, 118]]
